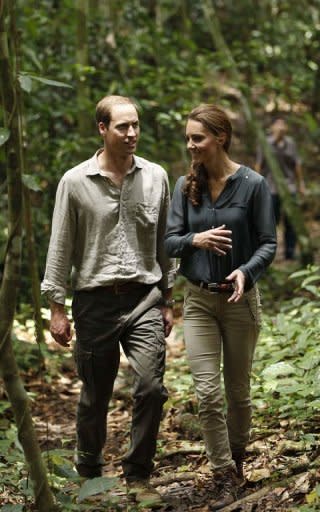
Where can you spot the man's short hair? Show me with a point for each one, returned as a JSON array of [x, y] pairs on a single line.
[[278, 118], [104, 107]]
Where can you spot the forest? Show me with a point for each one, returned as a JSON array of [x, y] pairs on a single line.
[[258, 60]]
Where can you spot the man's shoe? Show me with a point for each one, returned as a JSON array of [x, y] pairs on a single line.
[[144, 493], [227, 482], [89, 471], [238, 458], [240, 474]]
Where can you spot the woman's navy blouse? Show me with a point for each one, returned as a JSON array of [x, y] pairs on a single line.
[[245, 207]]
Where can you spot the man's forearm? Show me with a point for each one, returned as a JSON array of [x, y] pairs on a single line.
[[167, 294], [167, 297], [57, 308]]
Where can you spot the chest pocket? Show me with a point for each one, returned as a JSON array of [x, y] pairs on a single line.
[[146, 216], [146, 230]]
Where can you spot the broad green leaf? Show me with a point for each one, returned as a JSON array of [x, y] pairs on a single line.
[[25, 82], [315, 404], [312, 289], [290, 386], [277, 370], [95, 486], [310, 360], [299, 273], [311, 279], [4, 135], [31, 182]]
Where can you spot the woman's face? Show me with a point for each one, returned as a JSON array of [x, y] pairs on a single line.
[[201, 143]]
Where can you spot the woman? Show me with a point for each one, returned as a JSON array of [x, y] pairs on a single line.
[[221, 225]]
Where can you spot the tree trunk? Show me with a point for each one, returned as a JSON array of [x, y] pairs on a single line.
[[33, 266], [11, 274], [292, 211], [82, 57]]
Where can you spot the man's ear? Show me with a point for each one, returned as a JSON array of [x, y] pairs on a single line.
[[102, 128]]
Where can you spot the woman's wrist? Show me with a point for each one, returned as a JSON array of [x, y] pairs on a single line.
[[195, 240]]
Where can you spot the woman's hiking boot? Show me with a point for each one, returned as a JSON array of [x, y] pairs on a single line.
[[227, 486]]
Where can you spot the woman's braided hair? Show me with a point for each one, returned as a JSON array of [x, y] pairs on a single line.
[[217, 122]]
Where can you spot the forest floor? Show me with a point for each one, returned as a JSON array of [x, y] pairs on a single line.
[[278, 471], [281, 474]]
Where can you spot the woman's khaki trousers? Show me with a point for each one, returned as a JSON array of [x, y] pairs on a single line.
[[216, 330]]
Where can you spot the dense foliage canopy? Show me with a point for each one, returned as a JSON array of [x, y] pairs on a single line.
[[161, 53]]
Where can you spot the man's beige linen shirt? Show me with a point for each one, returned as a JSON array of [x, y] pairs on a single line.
[[107, 234]]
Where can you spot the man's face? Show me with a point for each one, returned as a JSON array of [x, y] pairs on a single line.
[[121, 136], [279, 128]]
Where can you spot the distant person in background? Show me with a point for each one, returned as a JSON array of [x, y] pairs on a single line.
[[221, 225], [284, 149]]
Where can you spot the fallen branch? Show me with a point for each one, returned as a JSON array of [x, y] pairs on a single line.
[[172, 478], [181, 451], [256, 496], [247, 499]]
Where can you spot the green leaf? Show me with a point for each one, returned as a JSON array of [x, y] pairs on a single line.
[[277, 370], [95, 486], [4, 135], [47, 81], [33, 57], [25, 82], [31, 182], [311, 279], [310, 360], [312, 289]]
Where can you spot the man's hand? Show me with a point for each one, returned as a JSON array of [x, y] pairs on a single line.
[[217, 240], [167, 315], [60, 327], [238, 278]]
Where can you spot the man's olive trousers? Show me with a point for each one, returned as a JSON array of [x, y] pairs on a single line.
[[103, 320]]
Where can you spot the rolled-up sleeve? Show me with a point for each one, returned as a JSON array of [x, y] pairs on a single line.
[[264, 233], [63, 231], [167, 265]]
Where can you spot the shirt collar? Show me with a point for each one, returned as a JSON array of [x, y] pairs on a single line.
[[237, 174], [94, 169], [283, 141]]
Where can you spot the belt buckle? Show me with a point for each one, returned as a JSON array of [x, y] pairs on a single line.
[[213, 288]]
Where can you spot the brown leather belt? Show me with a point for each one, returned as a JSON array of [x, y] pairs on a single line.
[[123, 288], [214, 287]]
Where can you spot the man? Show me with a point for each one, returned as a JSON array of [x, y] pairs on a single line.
[[285, 151], [108, 225]]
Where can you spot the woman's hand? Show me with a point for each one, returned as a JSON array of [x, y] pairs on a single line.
[[238, 278], [217, 240]]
